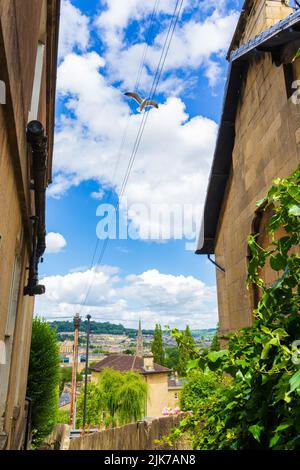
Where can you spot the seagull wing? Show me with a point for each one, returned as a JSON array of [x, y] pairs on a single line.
[[135, 96], [151, 103]]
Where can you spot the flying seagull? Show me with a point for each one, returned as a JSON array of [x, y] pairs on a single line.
[[144, 103]]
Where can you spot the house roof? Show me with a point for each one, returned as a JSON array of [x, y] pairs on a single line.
[[282, 33], [246, 9], [126, 362], [64, 399]]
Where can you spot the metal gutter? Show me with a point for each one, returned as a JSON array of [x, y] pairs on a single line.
[[284, 32]]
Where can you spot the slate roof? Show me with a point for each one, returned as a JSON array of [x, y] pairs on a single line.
[[126, 362], [64, 399], [281, 33]]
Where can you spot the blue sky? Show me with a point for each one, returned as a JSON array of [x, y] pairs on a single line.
[[101, 45]]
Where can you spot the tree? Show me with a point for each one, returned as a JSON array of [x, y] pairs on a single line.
[[117, 398], [130, 352], [131, 398], [157, 347], [185, 349], [66, 376], [172, 358], [215, 344], [43, 379]]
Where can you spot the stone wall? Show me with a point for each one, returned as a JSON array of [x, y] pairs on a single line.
[[59, 439], [267, 146], [135, 436], [22, 25]]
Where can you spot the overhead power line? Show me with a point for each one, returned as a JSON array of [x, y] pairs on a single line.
[[155, 83], [124, 136]]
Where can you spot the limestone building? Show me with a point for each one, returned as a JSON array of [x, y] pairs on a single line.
[[28, 56], [162, 384], [258, 141], [162, 391]]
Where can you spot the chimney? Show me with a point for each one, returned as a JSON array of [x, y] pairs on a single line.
[[148, 362]]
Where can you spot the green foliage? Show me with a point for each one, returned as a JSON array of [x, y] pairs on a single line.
[[63, 416], [199, 386], [130, 352], [172, 358], [157, 347], [94, 405], [260, 409], [43, 379], [118, 398], [187, 349], [215, 344], [66, 376], [131, 398]]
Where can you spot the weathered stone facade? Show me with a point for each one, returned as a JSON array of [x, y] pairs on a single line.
[[28, 32], [266, 146]]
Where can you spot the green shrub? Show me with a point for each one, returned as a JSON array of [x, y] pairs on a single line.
[[43, 379], [63, 416], [260, 409], [199, 386]]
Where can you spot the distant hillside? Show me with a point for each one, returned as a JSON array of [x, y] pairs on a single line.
[[114, 329], [97, 328], [208, 332]]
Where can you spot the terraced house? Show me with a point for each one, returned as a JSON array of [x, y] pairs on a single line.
[[258, 141], [28, 56]]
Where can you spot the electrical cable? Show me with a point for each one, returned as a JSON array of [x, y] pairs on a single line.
[[157, 77]]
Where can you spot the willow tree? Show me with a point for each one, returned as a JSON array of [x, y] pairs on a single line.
[[117, 398], [131, 398]]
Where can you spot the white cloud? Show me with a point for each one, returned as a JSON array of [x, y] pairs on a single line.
[[74, 29], [55, 242], [195, 44], [118, 14], [174, 158], [153, 296]]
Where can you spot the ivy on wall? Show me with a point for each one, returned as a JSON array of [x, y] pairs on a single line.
[[260, 406]]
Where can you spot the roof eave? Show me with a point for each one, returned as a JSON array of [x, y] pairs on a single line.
[[278, 35]]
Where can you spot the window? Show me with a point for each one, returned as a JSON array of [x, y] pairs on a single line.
[[260, 226], [33, 114], [2, 92], [9, 331], [37, 82]]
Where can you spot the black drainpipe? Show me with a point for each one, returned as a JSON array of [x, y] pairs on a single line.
[[36, 138], [216, 264]]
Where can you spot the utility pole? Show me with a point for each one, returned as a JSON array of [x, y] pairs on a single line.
[[86, 369], [74, 371]]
